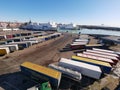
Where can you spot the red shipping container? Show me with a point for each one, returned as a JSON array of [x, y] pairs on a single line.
[[9, 36]]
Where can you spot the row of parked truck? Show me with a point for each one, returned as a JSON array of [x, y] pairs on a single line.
[[19, 43]]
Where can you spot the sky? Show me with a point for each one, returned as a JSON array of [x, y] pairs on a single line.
[[85, 12]]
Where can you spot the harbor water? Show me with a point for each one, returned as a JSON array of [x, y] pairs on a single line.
[[93, 31]]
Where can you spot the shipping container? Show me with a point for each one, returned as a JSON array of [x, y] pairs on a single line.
[[37, 39], [54, 35], [93, 45], [97, 58], [28, 37], [83, 36], [84, 43], [104, 53], [103, 50], [24, 34], [3, 42], [31, 41], [4, 50], [117, 53], [77, 46], [115, 59], [81, 40], [45, 38], [17, 40], [11, 48], [41, 73], [9, 36], [50, 36], [105, 67], [89, 70], [107, 51], [9, 41], [17, 35], [22, 45], [90, 46], [72, 74], [2, 37], [15, 45]]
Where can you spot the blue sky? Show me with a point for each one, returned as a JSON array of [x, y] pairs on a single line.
[[94, 12]]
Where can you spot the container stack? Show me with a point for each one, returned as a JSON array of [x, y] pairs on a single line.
[[84, 68], [106, 67], [91, 63], [79, 43], [22, 42], [105, 59], [88, 70]]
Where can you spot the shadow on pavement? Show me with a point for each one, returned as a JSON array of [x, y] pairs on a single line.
[[15, 81]]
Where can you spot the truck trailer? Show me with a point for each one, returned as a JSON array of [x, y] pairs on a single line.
[[89, 70], [96, 58], [103, 53], [69, 73], [42, 73], [4, 50], [105, 67], [115, 59]]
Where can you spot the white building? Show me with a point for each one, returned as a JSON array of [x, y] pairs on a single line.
[[7, 29], [10, 29]]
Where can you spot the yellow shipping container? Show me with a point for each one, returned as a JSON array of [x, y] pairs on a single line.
[[41, 69], [91, 61], [4, 50]]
